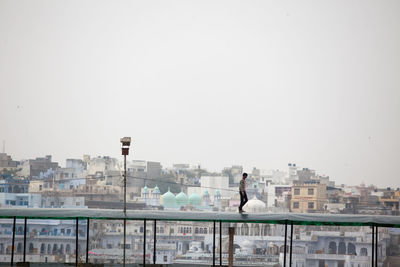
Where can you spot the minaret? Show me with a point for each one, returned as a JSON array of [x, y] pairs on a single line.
[[156, 196], [206, 199], [217, 200], [145, 195]]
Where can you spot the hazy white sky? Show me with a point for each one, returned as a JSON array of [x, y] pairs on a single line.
[[258, 83]]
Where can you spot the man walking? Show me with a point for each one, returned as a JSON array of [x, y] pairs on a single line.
[[242, 192]]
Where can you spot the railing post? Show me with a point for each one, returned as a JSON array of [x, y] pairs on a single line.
[[76, 241], [144, 242], [285, 246], [154, 242], [25, 239], [124, 256], [230, 250], [214, 245], [291, 244], [376, 246], [220, 243], [87, 240], [13, 242], [372, 246]]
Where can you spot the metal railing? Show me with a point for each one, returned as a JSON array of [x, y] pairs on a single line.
[[288, 220]]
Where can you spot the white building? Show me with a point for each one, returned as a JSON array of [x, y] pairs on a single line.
[[212, 184], [277, 194], [102, 164], [22, 200]]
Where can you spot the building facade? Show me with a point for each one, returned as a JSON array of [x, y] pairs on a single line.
[[308, 197]]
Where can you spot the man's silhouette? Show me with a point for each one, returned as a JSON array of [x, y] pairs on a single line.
[[242, 192]]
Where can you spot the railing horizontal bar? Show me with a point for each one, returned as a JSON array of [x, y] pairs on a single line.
[[273, 218]]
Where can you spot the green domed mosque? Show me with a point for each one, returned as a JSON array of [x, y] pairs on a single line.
[[169, 200], [195, 200], [181, 199]]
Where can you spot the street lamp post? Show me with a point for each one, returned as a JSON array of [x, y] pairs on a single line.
[[125, 142]]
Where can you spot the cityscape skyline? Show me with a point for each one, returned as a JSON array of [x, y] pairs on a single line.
[[62, 164], [194, 133]]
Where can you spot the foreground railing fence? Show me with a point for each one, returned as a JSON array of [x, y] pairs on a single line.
[[262, 241]]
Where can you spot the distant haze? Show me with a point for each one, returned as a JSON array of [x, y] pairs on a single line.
[[258, 83]]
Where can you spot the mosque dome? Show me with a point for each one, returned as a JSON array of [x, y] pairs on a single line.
[[217, 192], [145, 189], [169, 200], [195, 199], [181, 199], [248, 245], [156, 190], [254, 205], [206, 193]]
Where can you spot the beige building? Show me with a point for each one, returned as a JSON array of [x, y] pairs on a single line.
[[38, 186], [7, 163], [308, 197]]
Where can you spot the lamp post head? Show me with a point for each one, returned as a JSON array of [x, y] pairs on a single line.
[[126, 142]]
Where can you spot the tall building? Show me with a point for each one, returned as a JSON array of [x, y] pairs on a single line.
[[292, 172], [308, 197]]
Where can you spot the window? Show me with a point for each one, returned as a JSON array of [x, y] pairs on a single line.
[[78, 203], [40, 187], [165, 258], [295, 205], [311, 191], [310, 205], [297, 191]]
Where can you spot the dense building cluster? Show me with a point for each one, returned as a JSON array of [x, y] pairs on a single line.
[[97, 183]]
